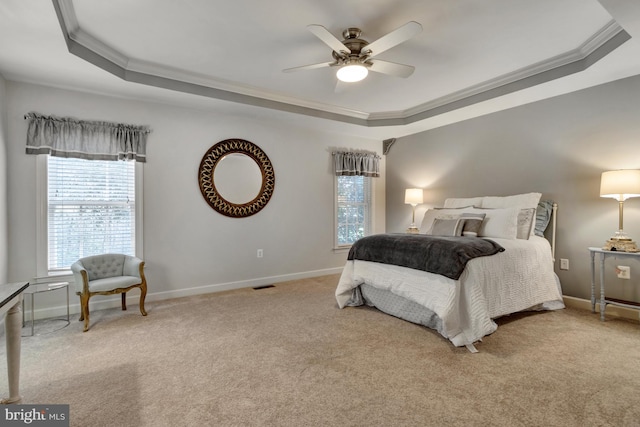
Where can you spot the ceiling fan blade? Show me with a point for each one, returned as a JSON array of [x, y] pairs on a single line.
[[394, 38], [309, 67], [342, 87], [391, 68], [329, 39]]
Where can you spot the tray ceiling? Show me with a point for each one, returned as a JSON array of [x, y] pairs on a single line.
[[469, 53]]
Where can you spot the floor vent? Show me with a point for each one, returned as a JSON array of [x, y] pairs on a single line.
[[257, 288]]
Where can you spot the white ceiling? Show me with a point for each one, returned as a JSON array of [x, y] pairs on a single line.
[[472, 57]]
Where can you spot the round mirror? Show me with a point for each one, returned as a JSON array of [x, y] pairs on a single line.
[[236, 178]]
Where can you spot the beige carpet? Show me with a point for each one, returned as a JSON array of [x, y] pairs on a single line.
[[287, 356]]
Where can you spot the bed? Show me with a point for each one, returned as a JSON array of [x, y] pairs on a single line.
[[517, 275]]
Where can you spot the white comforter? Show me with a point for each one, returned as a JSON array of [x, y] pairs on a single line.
[[517, 279]]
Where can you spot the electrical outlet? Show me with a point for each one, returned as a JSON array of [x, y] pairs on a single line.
[[623, 272], [259, 253], [564, 264]]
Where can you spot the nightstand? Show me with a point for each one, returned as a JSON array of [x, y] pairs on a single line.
[[602, 255]]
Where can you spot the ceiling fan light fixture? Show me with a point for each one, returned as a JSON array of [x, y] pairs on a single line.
[[352, 73]]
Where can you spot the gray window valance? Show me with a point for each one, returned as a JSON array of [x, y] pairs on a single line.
[[68, 137], [356, 163]]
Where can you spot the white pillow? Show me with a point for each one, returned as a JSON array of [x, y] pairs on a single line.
[[431, 214], [463, 203], [522, 201], [499, 223]]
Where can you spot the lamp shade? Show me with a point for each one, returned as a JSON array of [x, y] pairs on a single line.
[[620, 184], [413, 196]]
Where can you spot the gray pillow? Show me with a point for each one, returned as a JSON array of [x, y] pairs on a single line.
[[472, 223], [446, 227]]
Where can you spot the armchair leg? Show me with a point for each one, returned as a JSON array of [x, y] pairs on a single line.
[[143, 295], [84, 305], [81, 310], [124, 301]]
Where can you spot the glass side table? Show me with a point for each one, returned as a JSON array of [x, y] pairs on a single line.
[[38, 288]]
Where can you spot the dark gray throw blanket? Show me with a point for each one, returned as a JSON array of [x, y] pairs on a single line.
[[447, 256]]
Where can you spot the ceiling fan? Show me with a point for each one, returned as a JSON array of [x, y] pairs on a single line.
[[354, 56]]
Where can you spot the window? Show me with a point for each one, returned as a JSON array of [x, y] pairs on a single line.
[[353, 209], [90, 209]]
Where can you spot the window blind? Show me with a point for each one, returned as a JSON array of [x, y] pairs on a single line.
[[354, 206], [91, 209]]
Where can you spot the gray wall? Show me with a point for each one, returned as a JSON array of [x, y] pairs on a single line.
[[4, 242], [558, 147], [189, 248]]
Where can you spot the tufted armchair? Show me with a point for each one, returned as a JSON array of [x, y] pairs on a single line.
[[107, 275]]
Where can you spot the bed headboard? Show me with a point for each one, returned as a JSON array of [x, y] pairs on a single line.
[[554, 210]]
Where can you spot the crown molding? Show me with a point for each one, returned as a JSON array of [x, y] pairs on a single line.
[[96, 52], [607, 33], [150, 68]]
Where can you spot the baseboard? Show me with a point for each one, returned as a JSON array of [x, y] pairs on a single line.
[[102, 302], [611, 310]]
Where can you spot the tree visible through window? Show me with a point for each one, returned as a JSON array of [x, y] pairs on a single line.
[[353, 194], [90, 209]]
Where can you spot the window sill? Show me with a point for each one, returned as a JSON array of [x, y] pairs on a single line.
[[54, 277]]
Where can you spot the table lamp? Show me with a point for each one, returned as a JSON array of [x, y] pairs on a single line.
[[620, 185], [413, 197]]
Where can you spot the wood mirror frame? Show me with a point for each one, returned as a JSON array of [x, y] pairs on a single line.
[[208, 185]]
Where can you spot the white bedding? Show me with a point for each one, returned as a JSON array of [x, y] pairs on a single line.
[[517, 279]]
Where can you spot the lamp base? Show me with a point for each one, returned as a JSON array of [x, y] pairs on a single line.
[[621, 244], [413, 230]]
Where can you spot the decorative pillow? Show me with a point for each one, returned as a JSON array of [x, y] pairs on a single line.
[[522, 201], [543, 215], [463, 203], [431, 214], [499, 223], [525, 223], [446, 227], [472, 223]]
